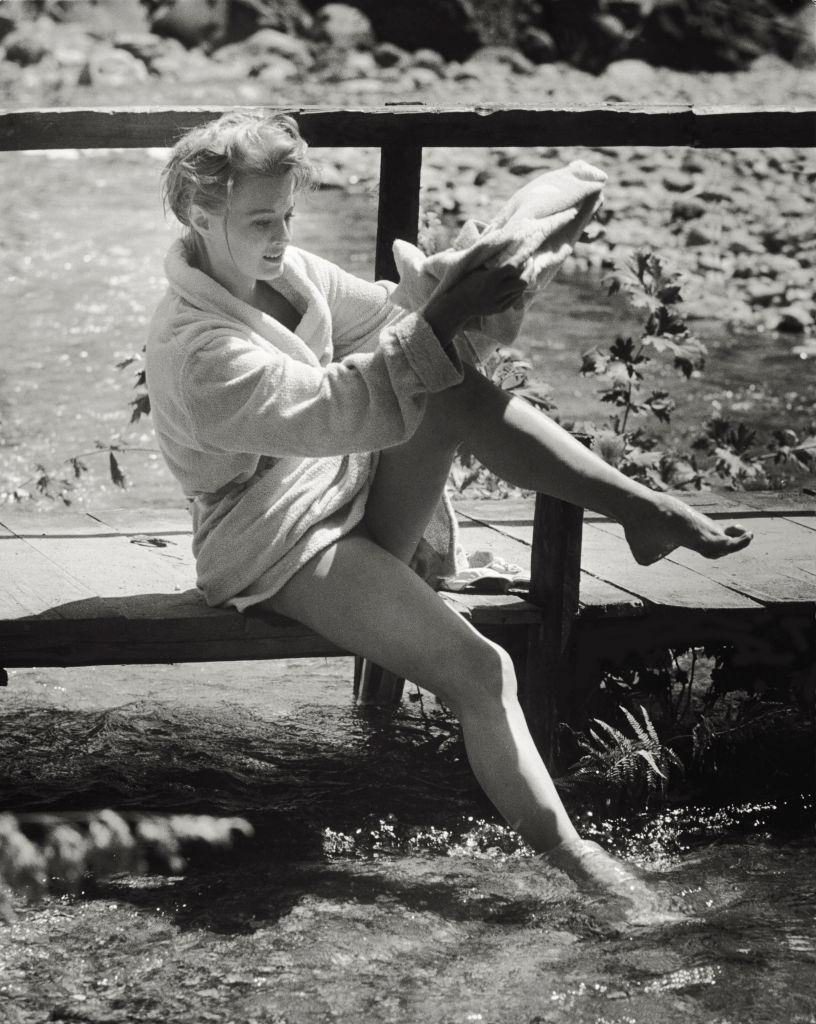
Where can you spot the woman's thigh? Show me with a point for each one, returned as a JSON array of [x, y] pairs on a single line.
[[368, 601]]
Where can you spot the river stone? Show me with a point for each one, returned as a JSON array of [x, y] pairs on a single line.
[[107, 66], [387, 55], [794, 320], [505, 56], [192, 22], [687, 209], [431, 59], [30, 42], [266, 42], [674, 182], [537, 45], [763, 291], [743, 242], [276, 70], [344, 27]]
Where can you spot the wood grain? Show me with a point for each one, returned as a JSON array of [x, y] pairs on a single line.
[[612, 124]]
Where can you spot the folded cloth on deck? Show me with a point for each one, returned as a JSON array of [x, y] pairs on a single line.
[[535, 231]]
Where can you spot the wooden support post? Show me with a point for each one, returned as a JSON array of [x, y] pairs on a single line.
[[554, 581], [397, 217], [398, 213]]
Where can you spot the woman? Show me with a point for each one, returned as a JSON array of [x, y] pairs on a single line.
[[312, 424]]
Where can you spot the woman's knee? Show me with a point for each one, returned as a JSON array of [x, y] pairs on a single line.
[[480, 675]]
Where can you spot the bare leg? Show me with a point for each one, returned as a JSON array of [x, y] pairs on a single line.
[[528, 449], [371, 603]]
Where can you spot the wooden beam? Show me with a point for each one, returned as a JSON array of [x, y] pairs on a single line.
[[398, 211], [612, 124], [555, 568]]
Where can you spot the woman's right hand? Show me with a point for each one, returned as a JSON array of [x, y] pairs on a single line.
[[482, 292]]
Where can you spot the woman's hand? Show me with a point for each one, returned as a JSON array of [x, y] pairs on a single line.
[[482, 292]]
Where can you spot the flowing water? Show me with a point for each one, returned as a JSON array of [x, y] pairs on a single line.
[[380, 886]]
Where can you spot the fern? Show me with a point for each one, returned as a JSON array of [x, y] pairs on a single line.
[[629, 765]]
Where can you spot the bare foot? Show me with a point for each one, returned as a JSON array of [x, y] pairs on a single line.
[[588, 864], [669, 523]]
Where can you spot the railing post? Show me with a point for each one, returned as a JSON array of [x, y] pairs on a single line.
[[397, 217], [398, 214], [555, 568]]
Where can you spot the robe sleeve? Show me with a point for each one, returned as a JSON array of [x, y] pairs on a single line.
[[244, 397]]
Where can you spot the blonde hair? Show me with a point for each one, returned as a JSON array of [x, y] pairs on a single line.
[[207, 161]]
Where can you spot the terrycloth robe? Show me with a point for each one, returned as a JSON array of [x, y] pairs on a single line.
[[273, 434]]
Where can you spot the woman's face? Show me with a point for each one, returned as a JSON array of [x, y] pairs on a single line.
[[256, 228]]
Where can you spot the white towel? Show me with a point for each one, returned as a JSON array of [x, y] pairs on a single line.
[[535, 230]]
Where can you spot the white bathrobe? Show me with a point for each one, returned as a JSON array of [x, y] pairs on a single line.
[[272, 434]]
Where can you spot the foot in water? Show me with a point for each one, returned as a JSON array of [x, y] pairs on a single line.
[[588, 864], [670, 523]]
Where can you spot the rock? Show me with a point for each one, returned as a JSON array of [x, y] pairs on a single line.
[[431, 59], [30, 42], [635, 76], [674, 182], [538, 45], [266, 42], [453, 27], [698, 234], [506, 56], [423, 78], [794, 320], [687, 209], [192, 22], [743, 242], [275, 70], [763, 291], [343, 27], [102, 20], [387, 55], [146, 46], [181, 65], [108, 67]]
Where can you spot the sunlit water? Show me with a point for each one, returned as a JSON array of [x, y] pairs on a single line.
[[380, 886]]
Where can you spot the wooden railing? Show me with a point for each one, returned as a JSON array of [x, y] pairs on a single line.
[[401, 131]]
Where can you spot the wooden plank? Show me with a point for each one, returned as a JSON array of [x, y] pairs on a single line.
[[148, 521], [598, 598], [474, 537], [398, 210], [30, 584], [56, 524], [115, 567], [606, 555], [611, 124], [771, 569]]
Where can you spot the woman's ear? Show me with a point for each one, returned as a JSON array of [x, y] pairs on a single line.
[[201, 220]]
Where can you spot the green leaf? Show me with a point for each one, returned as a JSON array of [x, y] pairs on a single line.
[[116, 474]]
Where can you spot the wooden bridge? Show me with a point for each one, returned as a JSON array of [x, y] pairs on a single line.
[[117, 586]]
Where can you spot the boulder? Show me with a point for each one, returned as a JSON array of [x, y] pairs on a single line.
[[537, 45], [102, 20], [506, 56], [687, 209], [453, 27], [388, 55], [192, 22], [431, 59], [276, 70], [29, 42], [794, 320], [108, 67], [148, 47], [267, 42], [343, 27]]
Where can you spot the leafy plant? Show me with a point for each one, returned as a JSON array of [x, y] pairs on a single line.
[[625, 765]]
